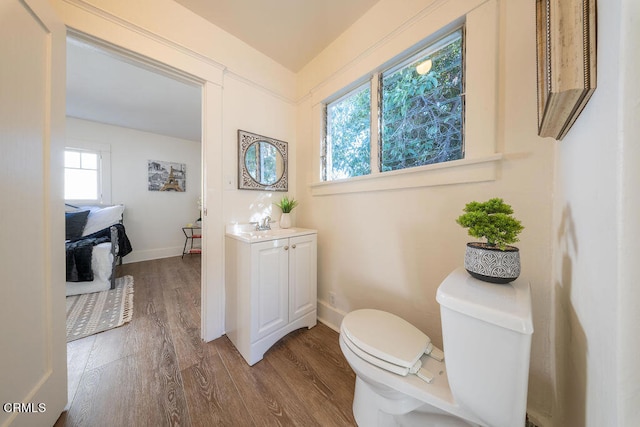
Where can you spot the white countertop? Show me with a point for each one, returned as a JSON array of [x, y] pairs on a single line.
[[247, 233]]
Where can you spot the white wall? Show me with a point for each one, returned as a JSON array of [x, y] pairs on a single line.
[[260, 112], [596, 239], [153, 219], [391, 249]]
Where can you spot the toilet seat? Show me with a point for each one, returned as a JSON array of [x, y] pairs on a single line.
[[389, 342]]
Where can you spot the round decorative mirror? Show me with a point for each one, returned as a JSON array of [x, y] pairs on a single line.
[[262, 162]]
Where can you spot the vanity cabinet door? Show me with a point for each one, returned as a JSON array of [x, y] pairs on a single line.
[[269, 289], [302, 275]]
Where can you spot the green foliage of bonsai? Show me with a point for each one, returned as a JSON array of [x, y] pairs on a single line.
[[287, 205], [491, 220]]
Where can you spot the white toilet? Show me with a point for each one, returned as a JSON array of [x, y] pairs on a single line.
[[486, 331]]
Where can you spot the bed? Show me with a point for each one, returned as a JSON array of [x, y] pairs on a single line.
[[96, 241]]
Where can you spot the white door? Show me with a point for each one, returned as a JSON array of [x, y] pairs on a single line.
[[302, 275], [269, 287], [33, 373]]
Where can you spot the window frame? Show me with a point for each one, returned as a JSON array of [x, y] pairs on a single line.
[[416, 54], [103, 152], [374, 81], [483, 141], [325, 156]]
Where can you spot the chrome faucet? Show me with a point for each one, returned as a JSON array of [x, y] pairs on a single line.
[[264, 224]]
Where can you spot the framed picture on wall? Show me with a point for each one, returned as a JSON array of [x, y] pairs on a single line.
[[167, 176], [566, 56]]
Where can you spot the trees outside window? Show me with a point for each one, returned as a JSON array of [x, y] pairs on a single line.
[[420, 115], [422, 108], [348, 135]]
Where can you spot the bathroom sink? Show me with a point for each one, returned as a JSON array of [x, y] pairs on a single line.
[[258, 234], [267, 234], [279, 231], [250, 235]]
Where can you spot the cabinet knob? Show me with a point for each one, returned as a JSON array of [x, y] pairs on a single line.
[[286, 248], [294, 246]]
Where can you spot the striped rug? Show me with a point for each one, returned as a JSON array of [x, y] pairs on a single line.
[[96, 312]]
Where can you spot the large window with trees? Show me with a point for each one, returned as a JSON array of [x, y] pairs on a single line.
[[419, 119]]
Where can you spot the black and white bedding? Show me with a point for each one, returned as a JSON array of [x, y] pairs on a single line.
[[95, 237], [79, 252]]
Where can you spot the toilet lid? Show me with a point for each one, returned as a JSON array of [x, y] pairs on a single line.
[[385, 336]]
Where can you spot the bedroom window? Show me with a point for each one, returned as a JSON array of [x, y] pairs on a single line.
[[82, 175], [419, 118]]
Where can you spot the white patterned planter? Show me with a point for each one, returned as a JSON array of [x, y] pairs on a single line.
[[492, 264]]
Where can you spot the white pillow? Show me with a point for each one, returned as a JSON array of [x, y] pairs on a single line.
[[103, 218]]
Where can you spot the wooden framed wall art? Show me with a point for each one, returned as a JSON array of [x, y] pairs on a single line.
[[566, 55]]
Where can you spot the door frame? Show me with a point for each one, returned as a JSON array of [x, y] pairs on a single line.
[[34, 368], [177, 62]]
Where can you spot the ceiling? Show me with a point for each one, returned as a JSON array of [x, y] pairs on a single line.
[[106, 87], [291, 32]]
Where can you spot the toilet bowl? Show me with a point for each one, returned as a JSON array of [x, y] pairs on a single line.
[[482, 380]]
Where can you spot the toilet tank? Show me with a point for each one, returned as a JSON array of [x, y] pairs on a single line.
[[486, 330]]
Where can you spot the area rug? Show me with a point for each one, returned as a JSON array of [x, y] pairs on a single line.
[[96, 312]]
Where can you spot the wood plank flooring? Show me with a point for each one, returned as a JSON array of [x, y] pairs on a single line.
[[155, 370]]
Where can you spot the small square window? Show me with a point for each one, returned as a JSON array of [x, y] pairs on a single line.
[[71, 159], [80, 184], [81, 175], [89, 161]]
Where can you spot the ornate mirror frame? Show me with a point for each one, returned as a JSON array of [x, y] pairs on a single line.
[[248, 182], [566, 45]]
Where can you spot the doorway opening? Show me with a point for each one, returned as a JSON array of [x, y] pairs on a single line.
[[140, 113]]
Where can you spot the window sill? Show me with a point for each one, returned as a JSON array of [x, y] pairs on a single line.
[[455, 172]]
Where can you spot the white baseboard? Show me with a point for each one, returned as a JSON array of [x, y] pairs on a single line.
[[330, 316], [150, 254]]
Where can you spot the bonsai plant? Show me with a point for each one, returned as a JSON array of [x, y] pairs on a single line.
[[494, 261], [286, 205]]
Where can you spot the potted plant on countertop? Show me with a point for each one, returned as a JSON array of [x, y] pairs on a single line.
[[286, 205], [494, 261]]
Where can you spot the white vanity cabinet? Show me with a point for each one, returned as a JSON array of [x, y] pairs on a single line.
[[270, 288]]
